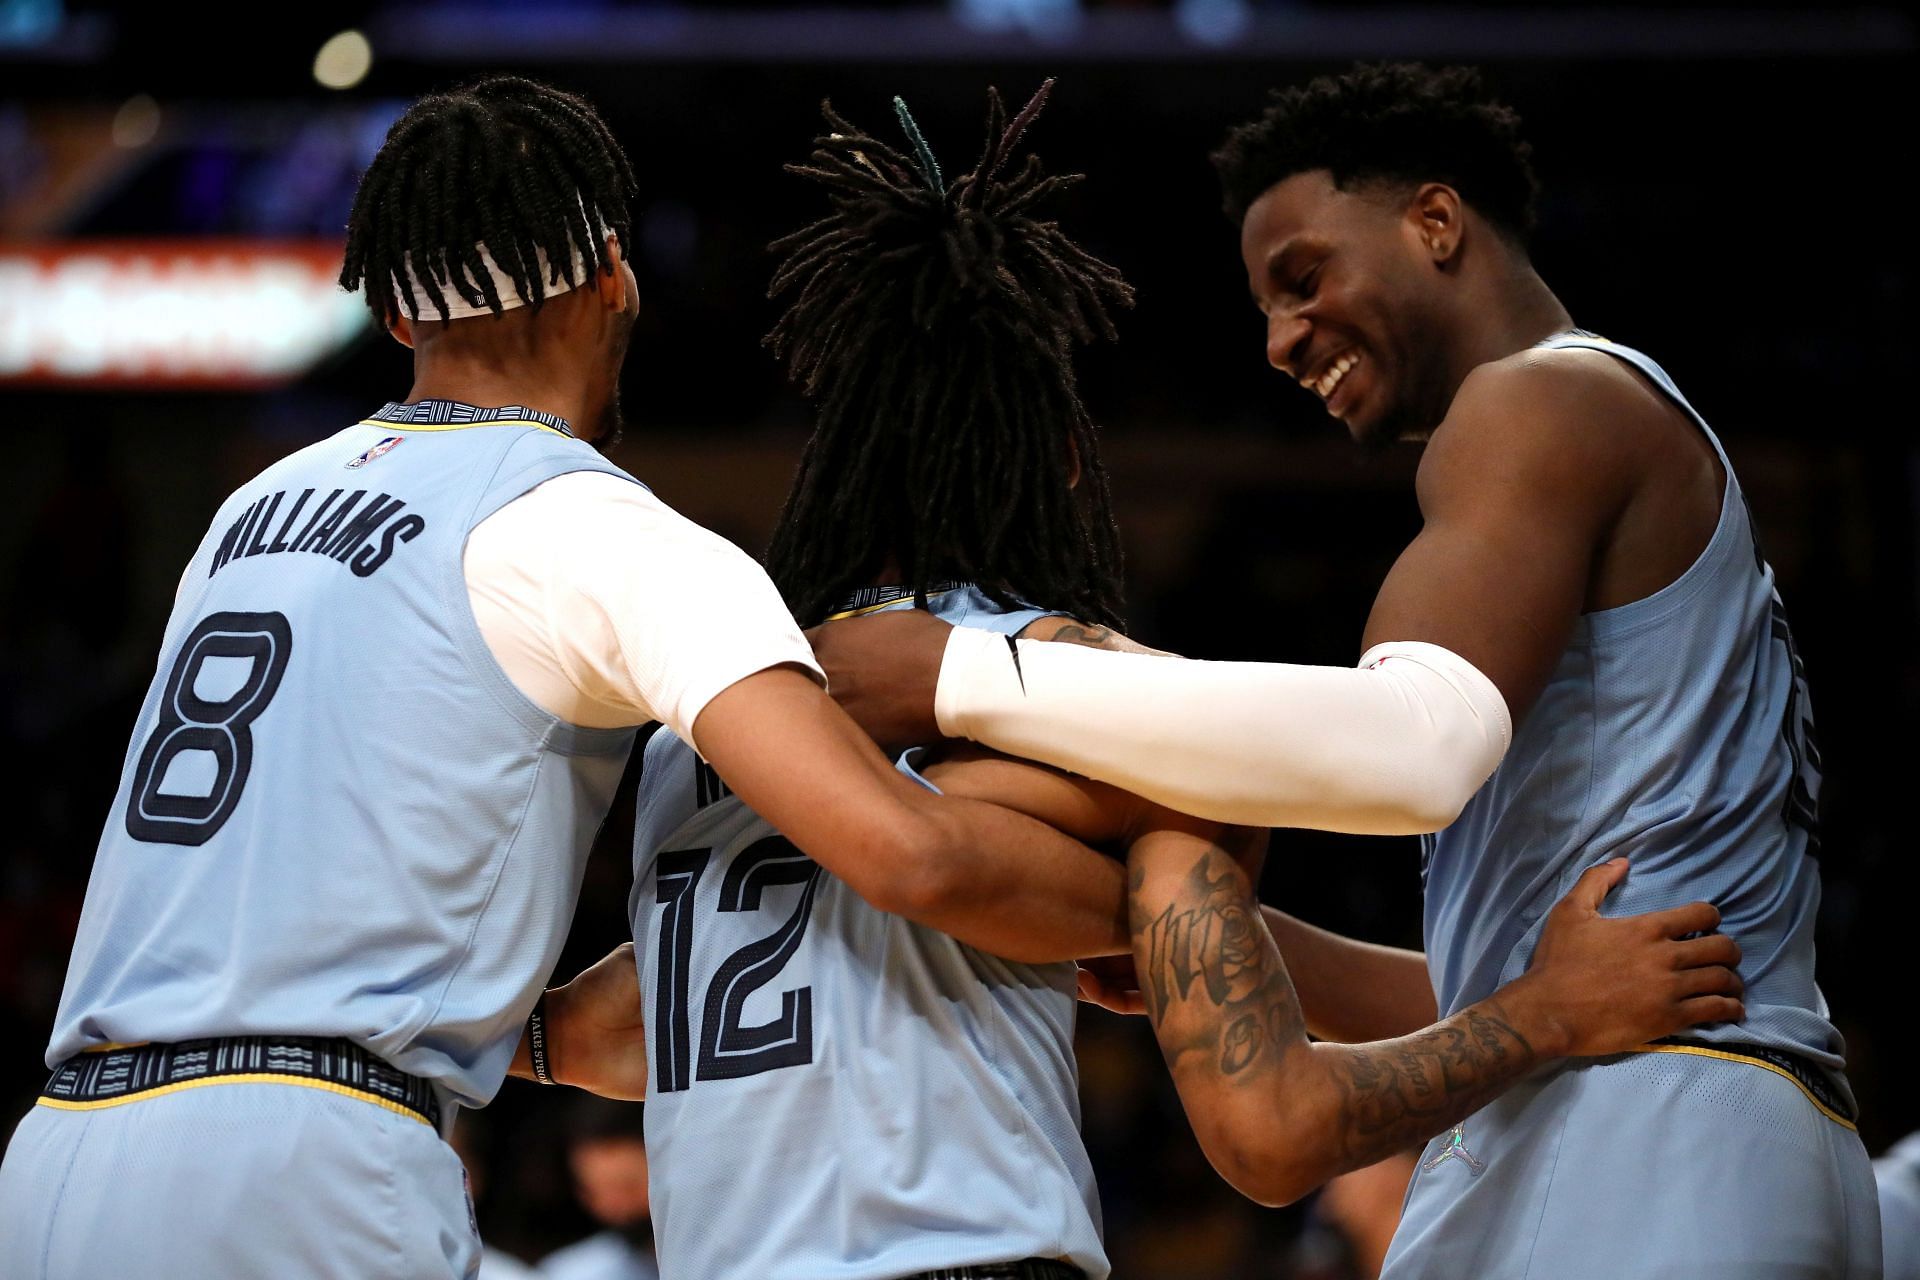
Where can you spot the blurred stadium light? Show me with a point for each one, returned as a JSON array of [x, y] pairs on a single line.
[[204, 313]]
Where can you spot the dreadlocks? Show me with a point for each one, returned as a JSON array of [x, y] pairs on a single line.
[[521, 167], [934, 325]]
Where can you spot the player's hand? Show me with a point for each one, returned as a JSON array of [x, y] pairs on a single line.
[[595, 1037], [1601, 985], [1111, 983], [882, 670]]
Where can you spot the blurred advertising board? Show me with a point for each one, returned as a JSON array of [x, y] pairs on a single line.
[[157, 313]]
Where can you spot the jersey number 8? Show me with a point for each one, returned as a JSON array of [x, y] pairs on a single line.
[[216, 727]]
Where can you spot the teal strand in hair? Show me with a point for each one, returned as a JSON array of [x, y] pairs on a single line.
[[922, 153]]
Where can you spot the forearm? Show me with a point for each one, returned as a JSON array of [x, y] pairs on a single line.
[[1393, 749], [593, 1032], [1019, 889], [1276, 1114], [1393, 1094], [1352, 991], [991, 878]]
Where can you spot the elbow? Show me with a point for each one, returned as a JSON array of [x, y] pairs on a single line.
[[1269, 1178], [1433, 798], [1425, 814], [1275, 1164], [910, 871]]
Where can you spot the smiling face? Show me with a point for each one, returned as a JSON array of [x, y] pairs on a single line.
[[1356, 290]]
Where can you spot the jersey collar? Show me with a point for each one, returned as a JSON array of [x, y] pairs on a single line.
[[451, 415], [868, 599]]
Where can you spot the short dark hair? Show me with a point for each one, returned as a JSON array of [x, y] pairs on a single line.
[[519, 166], [934, 327], [1392, 122]]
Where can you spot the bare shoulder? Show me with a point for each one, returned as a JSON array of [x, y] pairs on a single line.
[[1070, 631], [1564, 424]]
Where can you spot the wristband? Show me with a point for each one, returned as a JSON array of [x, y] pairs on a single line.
[[537, 1040]]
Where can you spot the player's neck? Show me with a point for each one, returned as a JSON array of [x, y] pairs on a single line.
[[1513, 311], [489, 380]]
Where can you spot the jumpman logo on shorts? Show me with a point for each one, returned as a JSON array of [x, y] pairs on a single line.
[[1456, 1149]]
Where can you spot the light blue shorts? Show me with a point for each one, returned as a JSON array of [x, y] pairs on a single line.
[[1649, 1166], [230, 1182]]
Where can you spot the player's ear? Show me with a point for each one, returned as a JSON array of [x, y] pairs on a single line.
[[400, 329], [1435, 221], [612, 283]]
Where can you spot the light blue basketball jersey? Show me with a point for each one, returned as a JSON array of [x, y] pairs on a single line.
[[1675, 731], [338, 816], [837, 1093]]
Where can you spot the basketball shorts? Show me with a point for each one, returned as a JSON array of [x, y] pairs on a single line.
[[233, 1180], [1656, 1166]]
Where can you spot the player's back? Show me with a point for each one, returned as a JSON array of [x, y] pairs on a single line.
[[338, 816], [837, 1093]]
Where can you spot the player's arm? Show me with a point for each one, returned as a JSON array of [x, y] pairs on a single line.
[[1352, 991], [594, 1033], [992, 878], [996, 879], [1518, 490], [1349, 990], [627, 611], [1063, 630], [1278, 1114]]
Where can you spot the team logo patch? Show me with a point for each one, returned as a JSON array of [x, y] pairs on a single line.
[[375, 452], [1455, 1148]]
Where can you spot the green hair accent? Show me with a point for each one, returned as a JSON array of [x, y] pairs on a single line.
[[922, 153]]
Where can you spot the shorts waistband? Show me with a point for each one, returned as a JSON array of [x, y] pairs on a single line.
[[1814, 1080], [1025, 1269], [117, 1074]]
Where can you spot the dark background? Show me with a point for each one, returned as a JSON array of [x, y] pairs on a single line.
[[1719, 192]]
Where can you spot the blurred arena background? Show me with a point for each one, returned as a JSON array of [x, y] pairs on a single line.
[[1720, 191]]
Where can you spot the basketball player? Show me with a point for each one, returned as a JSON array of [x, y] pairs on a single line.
[[890, 1101], [1581, 657], [400, 681]]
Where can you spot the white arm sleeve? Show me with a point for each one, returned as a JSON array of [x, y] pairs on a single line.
[[1395, 746], [608, 608]]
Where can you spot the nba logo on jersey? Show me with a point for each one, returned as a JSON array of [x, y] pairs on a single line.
[[375, 452]]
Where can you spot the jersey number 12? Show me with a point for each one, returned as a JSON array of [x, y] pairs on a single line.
[[728, 1048]]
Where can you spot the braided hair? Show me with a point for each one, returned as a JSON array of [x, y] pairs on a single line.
[[933, 325], [527, 170]]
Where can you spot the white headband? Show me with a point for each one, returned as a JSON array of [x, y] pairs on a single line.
[[455, 305]]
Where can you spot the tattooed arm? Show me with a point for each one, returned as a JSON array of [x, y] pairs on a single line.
[[1091, 635], [1352, 990], [1278, 1114]]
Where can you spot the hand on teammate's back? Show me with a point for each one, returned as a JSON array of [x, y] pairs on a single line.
[[595, 1037], [1614, 983], [882, 670]]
